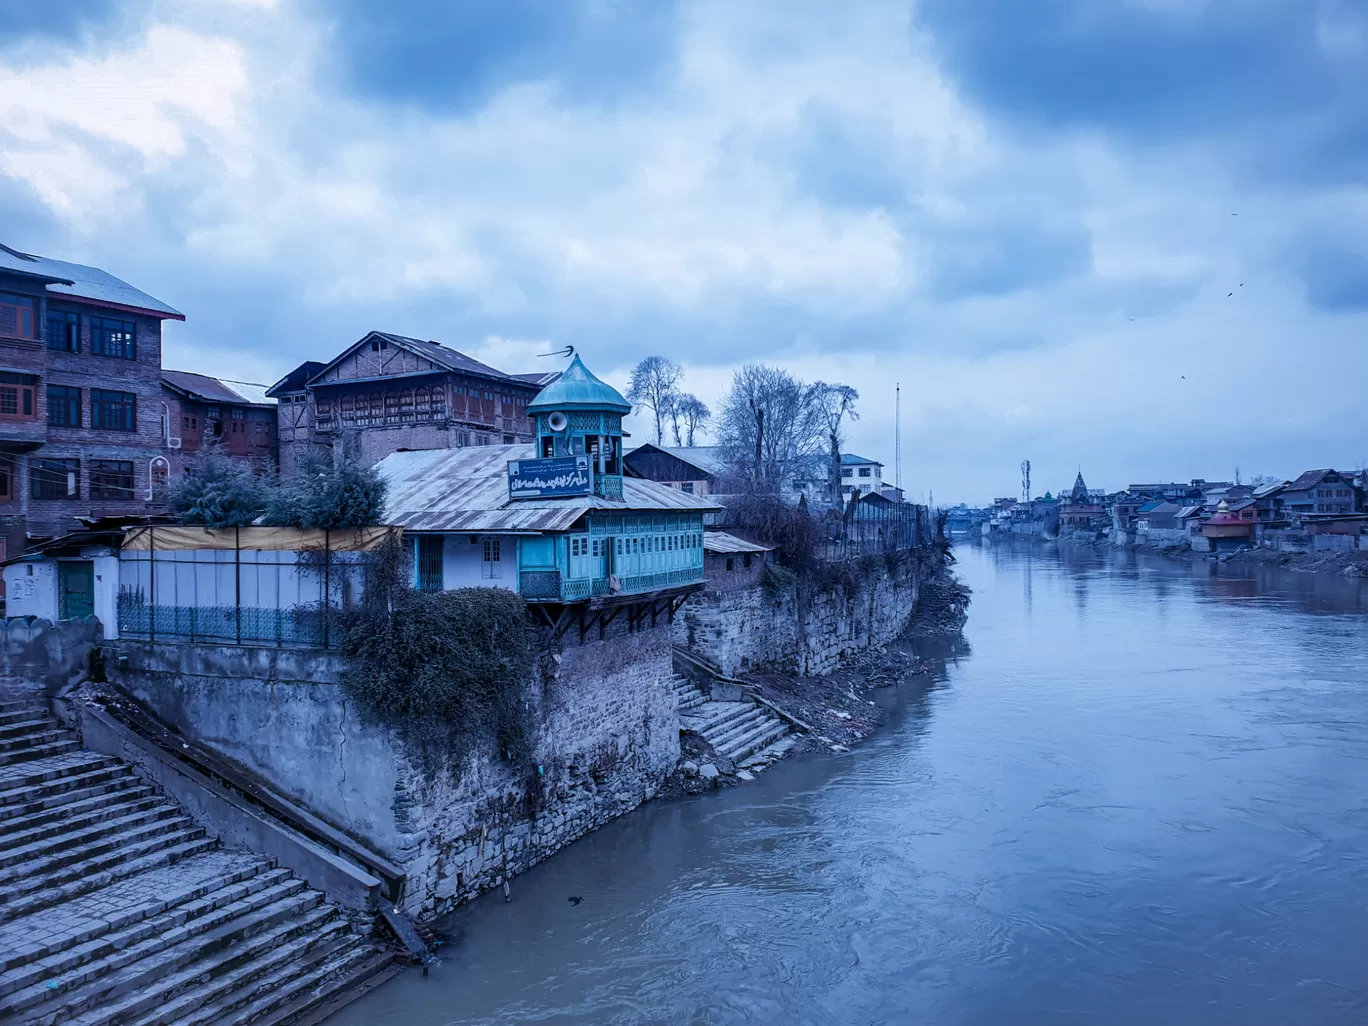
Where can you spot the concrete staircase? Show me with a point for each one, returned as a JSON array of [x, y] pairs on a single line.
[[117, 910], [747, 733]]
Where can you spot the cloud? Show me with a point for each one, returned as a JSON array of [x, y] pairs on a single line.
[[27, 21], [1026, 221], [449, 58]]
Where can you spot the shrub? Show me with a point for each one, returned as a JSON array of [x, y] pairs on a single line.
[[451, 665], [326, 497], [217, 492]]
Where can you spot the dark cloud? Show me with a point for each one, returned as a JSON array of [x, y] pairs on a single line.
[[446, 56], [1267, 70], [843, 163], [61, 20], [1336, 279], [1004, 256]]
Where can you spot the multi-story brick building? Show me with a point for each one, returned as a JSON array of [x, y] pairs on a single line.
[[234, 418], [386, 392], [83, 429]]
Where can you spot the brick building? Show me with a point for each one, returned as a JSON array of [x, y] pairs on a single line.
[[386, 392], [232, 417], [82, 407]]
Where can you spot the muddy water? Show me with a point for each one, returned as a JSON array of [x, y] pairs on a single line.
[[1138, 794]]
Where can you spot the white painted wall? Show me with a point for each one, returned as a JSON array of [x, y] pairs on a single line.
[[463, 563], [31, 589]]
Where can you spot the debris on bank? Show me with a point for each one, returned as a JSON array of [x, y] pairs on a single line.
[[828, 713]]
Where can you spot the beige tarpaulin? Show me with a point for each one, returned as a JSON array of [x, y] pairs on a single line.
[[171, 539]]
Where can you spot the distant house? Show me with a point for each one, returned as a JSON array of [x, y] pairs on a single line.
[[859, 476], [385, 393], [692, 469], [732, 563], [231, 417], [1320, 491]]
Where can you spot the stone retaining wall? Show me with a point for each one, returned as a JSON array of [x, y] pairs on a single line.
[[37, 654], [806, 632], [608, 737]]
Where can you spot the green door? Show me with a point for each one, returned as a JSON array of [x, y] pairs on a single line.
[[76, 589]]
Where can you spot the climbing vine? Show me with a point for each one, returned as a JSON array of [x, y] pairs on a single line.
[[450, 670]]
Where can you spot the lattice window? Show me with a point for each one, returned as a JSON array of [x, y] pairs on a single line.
[[586, 422]]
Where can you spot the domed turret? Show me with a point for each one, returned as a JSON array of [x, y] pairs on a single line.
[[579, 415]]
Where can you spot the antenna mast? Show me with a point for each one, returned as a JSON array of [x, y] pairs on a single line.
[[897, 436], [1026, 481]]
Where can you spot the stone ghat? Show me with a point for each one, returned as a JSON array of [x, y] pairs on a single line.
[[608, 737]]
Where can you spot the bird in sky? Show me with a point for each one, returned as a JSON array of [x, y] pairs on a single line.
[[576, 899]]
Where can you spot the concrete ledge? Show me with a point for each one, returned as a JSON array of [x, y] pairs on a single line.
[[230, 818]]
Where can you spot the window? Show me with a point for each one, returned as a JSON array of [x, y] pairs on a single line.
[[238, 414], [16, 395], [111, 479], [5, 490], [113, 411], [16, 316], [847, 472], [730, 564], [64, 406], [492, 565], [746, 560], [55, 479], [63, 331], [865, 471], [430, 562], [688, 487], [109, 337], [509, 440]]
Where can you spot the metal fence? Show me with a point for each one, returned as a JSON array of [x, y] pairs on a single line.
[[238, 595]]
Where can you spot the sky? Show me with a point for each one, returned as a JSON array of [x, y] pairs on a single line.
[[1128, 237]]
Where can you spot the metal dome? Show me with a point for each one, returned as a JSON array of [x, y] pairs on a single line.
[[577, 389]]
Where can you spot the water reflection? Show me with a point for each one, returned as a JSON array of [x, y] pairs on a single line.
[[1150, 812]]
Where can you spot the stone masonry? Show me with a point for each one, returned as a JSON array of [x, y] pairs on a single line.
[[608, 736], [737, 629]]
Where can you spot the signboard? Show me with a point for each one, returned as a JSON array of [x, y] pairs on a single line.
[[554, 478]]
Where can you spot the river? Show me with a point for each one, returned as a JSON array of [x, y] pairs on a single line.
[[1137, 794]]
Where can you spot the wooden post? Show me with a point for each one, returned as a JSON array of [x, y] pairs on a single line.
[[152, 583], [237, 581]]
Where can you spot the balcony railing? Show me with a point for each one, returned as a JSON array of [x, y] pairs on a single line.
[[550, 586]]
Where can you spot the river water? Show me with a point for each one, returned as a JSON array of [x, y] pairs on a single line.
[[1137, 793]]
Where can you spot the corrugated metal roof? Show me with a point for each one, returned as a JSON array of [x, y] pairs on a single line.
[[707, 458], [467, 490], [577, 389], [220, 390], [83, 282], [1309, 479], [721, 541]]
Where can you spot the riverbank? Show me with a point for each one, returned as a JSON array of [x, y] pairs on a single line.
[[1350, 563], [835, 709]]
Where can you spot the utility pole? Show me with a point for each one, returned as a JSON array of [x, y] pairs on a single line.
[[897, 436]]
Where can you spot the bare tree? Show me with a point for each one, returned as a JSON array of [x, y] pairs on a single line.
[[769, 426], [655, 385], [695, 415], [834, 404]]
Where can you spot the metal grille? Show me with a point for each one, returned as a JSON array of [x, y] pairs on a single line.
[[540, 584], [430, 562]]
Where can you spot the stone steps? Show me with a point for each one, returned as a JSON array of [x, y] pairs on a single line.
[[769, 754], [96, 964], [688, 694], [737, 730], [96, 808], [34, 752], [116, 909]]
